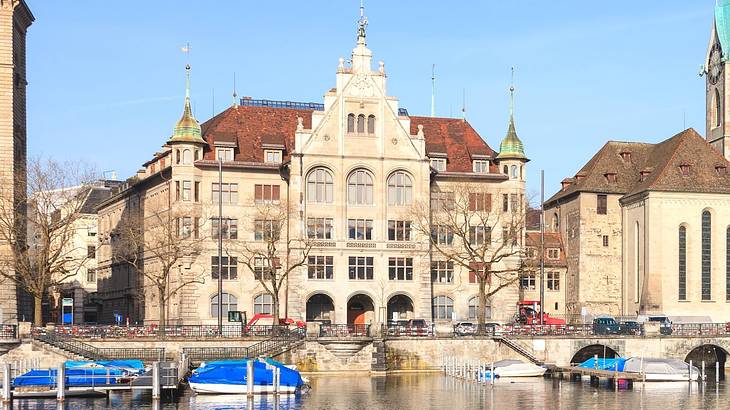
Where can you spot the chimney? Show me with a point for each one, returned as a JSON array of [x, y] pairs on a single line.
[[564, 184]]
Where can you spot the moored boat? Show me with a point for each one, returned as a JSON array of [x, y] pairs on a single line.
[[517, 368], [230, 377], [662, 369]]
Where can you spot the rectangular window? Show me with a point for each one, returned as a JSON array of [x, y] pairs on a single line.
[[602, 204], [531, 252], [553, 253], [227, 193], [605, 240], [400, 268], [479, 201], [480, 166], [320, 267], [262, 269], [272, 156], [442, 201], [360, 229], [229, 228], [91, 251], [91, 275], [319, 228], [442, 234], [706, 253], [187, 187], [527, 281], [266, 193], [505, 203], [553, 280], [399, 230], [442, 271], [266, 230], [196, 191], [360, 267], [228, 269], [185, 227], [177, 190], [683, 262], [439, 164], [480, 235], [224, 154], [514, 202]]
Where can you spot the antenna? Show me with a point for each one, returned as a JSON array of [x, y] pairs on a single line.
[[463, 104], [512, 93], [433, 90], [235, 95]]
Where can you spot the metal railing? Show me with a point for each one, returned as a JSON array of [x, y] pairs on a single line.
[[169, 331], [701, 329], [98, 353], [275, 345], [344, 330], [393, 330]]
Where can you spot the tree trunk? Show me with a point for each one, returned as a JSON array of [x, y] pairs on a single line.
[[275, 308], [162, 313], [37, 311], [482, 301]]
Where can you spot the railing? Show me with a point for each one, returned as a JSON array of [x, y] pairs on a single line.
[[701, 329], [273, 346], [170, 331], [8, 332], [342, 330], [410, 331], [96, 353]]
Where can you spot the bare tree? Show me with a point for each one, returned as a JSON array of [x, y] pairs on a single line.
[[162, 245], [274, 253], [462, 225], [40, 229]]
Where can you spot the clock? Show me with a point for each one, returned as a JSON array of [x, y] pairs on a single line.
[[715, 64]]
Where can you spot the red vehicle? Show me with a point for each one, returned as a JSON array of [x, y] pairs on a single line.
[[262, 323], [528, 313]]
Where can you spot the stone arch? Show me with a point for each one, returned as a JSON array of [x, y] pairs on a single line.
[[360, 309], [320, 307], [709, 354], [590, 350], [400, 306]]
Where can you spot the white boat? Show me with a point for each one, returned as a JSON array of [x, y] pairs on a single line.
[[229, 377], [221, 388], [662, 370], [517, 368]]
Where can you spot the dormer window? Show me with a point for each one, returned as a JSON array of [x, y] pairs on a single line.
[[272, 156], [224, 154], [721, 170], [684, 169], [625, 155], [610, 177], [643, 175], [553, 253], [439, 164], [480, 166], [579, 177]]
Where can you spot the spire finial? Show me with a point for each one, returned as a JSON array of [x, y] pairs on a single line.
[[512, 95], [361, 24], [433, 90], [463, 104], [186, 50], [235, 95]]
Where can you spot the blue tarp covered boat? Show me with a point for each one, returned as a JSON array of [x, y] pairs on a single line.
[[82, 373], [616, 364], [229, 376]]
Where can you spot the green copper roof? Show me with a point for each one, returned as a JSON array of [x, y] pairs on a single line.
[[722, 26], [511, 146], [188, 128]]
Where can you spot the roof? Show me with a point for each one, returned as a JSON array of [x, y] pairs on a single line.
[[722, 26], [552, 240], [629, 168], [511, 147], [532, 219]]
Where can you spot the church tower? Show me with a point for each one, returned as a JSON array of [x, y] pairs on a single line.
[[717, 94], [15, 18]]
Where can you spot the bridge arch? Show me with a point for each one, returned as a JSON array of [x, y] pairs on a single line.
[[589, 351], [710, 354]]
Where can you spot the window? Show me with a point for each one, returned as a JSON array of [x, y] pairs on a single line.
[[442, 271], [228, 269], [474, 308], [399, 230], [262, 269], [601, 204], [684, 169], [320, 267], [186, 227], [513, 170], [272, 156], [371, 124], [531, 252], [505, 170], [481, 166], [319, 228], [230, 304], [264, 193], [553, 280], [706, 256], [351, 123], [682, 275], [263, 303], [229, 228], [400, 268], [479, 201], [360, 229], [527, 281], [514, 202], [442, 201], [605, 240], [91, 251], [556, 223], [443, 308], [319, 186], [439, 164], [187, 190], [266, 230], [177, 190], [360, 188], [480, 235], [91, 275], [224, 154], [360, 267], [196, 191], [178, 157], [505, 203], [400, 189], [553, 253], [716, 108], [361, 124], [228, 193], [187, 157], [442, 234], [91, 231]]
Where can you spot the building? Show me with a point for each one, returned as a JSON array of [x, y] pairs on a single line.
[[555, 268], [351, 169], [15, 18]]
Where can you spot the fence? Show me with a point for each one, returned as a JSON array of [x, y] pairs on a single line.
[[269, 347], [394, 330], [96, 353], [344, 330], [170, 331]]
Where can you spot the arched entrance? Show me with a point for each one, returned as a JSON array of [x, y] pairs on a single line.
[[320, 308], [603, 352], [710, 354], [360, 310], [400, 307]]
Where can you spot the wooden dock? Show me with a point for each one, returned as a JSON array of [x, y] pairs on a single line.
[[573, 371]]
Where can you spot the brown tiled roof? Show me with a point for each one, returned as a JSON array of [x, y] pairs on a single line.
[[552, 240], [532, 219], [661, 161]]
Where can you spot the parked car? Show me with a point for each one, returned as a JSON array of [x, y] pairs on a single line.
[[418, 327], [397, 327], [665, 325], [630, 327], [605, 325], [465, 329]]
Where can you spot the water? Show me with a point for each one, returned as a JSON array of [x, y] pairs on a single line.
[[429, 391]]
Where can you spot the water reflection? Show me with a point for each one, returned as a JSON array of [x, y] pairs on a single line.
[[426, 391]]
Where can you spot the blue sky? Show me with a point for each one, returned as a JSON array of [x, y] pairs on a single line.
[[106, 78]]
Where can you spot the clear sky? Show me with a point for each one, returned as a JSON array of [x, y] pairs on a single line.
[[106, 78]]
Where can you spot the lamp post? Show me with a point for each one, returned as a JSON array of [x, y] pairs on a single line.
[[542, 247]]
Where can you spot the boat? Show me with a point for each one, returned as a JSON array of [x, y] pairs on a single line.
[[662, 369], [517, 368], [81, 373], [602, 363], [229, 377]]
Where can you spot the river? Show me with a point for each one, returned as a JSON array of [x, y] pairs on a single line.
[[430, 391]]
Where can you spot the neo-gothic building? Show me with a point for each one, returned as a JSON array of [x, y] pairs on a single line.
[[351, 168]]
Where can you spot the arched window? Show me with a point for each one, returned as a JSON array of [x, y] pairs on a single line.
[[682, 274], [196, 154], [556, 223], [474, 306], [371, 124], [360, 188], [177, 156], [361, 124], [636, 263], [505, 170], [319, 186], [443, 308], [706, 256], [187, 158], [514, 171], [400, 189], [351, 123], [263, 303], [521, 167], [716, 109], [230, 303]]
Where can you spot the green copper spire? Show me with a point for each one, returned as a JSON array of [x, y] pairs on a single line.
[[722, 26], [511, 146], [187, 129]]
